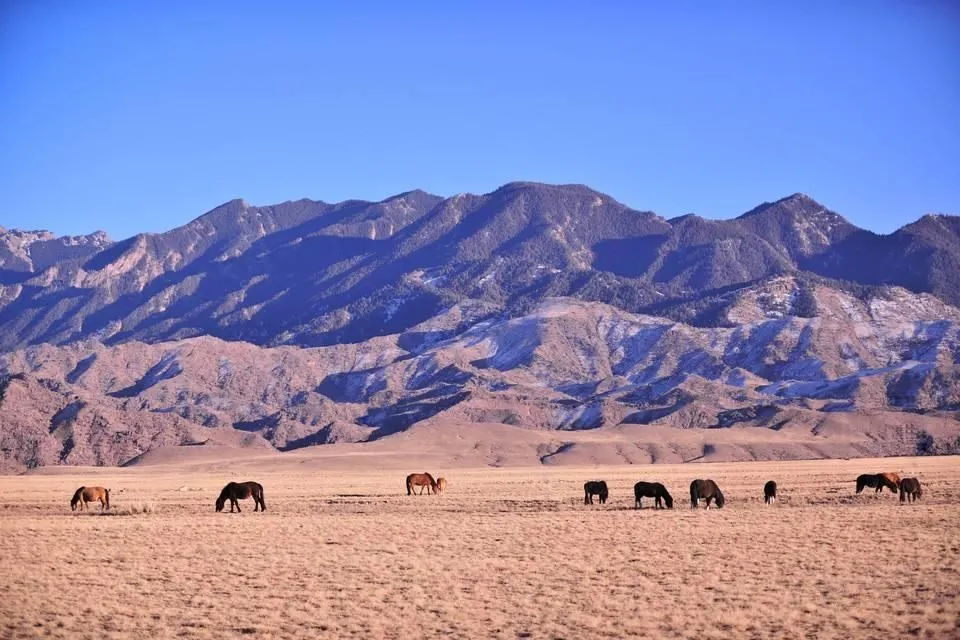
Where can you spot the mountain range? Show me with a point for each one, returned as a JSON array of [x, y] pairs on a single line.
[[542, 307]]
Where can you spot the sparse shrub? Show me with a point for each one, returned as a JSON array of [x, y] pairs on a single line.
[[926, 445]]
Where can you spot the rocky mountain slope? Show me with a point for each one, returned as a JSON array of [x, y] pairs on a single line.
[[310, 274], [887, 363], [534, 308]]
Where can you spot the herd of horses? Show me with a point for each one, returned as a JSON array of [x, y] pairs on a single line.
[[700, 490]]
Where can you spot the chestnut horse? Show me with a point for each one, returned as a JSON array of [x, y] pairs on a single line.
[[705, 490], [878, 481], [235, 491], [421, 480], [653, 490], [90, 494], [441, 485], [910, 490], [595, 488]]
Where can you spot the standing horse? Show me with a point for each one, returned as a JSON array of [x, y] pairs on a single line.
[[770, 492], [421, 480], [441, 485], [84, 495], [235, 491], [595, 488], [653, 490], [705, 490], [910, 490], [877, 481]]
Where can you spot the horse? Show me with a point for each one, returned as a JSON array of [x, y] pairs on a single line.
[[441, 484], [705, 490], [876, 481], [770, 492], [595, 488], [910, 490], [84, 495], [235, 491], [653, 490], [421, 480]]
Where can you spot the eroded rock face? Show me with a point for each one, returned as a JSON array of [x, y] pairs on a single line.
[[565, 365]]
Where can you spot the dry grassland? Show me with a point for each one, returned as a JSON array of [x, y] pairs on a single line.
[[504, 553]]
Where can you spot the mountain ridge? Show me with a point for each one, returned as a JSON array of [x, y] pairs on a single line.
[[543, 308]]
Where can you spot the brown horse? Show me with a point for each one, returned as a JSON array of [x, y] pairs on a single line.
[[910, 490], [441, 485], [421, 480], [90, 494], [595, 488], [705, 490], [877, 481], [235, 491]]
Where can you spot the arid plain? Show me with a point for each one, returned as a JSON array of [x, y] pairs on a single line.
[[503, 553]]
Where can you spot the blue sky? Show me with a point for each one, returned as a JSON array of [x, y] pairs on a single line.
[[135, 117]]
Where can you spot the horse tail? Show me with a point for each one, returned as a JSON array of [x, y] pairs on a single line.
[[263, 504], [107, 492], [409, 486]]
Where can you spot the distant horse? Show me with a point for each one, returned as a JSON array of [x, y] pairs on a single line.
[[90, 494], [770, 492], [235, 491], [705, 490], [910, 490], [441, 485], [876, 481], [421, 480], [653, 490], [595, 488]]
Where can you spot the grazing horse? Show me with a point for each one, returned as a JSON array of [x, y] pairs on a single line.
[[90, 494], [653, 490], [910, 490], [876, 481], [770, 492], [421, 480], [705, 490], [235, 491], [595, 488], [441, 485]]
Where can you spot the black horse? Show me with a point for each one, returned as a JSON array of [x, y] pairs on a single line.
[[653, 490], [241, 491], [705, 490], [910, 490], [595, 488], [770, 492], [877, 481]]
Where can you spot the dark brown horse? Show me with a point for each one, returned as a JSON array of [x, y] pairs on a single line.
[[877, 481], [653, 490], [770, 492], [421, 480], [910, 490], [705, 490], [595, 488], [84, 495], [235, 491]]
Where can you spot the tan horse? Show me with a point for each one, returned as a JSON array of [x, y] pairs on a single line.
[[421, 480], [441, 485], [90, 494]]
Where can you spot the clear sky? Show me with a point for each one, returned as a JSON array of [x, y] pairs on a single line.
[[139, 116]]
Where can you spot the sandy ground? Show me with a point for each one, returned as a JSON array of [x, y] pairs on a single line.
[[504, 553]]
